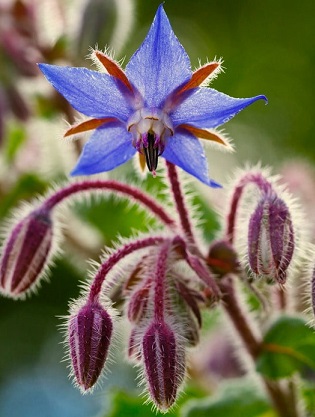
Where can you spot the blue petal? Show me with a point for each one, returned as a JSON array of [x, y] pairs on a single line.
[[208, 108], [160, 64], [108, 147], [185, 150], [90, 92]]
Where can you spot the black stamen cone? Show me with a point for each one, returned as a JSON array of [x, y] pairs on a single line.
[[151, 153]]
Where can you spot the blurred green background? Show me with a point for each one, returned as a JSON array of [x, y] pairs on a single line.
[[268, 48]]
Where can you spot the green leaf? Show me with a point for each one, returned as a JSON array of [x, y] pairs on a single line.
[[289, 346], [237, 398]]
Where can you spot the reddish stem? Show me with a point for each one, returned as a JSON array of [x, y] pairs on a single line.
[[179, 201], [253, 178], [127, 249], [238, 317], [252, 343], [160, 275], [113, 186]]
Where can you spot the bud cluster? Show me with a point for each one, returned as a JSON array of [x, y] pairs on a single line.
[[163, 291], [164, 312]]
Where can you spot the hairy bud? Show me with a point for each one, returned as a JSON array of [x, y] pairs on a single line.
[[271, 239], [138, 303], [90, 331], [26, 253], [164, 362]]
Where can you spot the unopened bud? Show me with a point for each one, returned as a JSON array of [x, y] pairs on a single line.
[[222, 258], [164, 362], [90, 331], [138, 303], [191, 298], [271, 239], [25, 254], [134, 345]]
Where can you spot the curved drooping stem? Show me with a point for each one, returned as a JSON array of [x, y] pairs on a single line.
[[96, 286], [112, 186], [250, 178]]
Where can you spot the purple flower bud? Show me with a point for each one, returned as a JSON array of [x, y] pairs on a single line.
[[164, 362], [90, 331], [134, 345], [26, 253], [191, 298], [271, 239], [138, 303]]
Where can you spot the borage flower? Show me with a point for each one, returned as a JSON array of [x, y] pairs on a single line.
[[155, 107]]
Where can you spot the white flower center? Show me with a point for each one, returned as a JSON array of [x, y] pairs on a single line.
[[150, 129]]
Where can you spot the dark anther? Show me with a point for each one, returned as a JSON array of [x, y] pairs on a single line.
[[151, 153]]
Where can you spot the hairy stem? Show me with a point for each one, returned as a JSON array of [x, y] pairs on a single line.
[[160, 275], [127, 249], [254, 178], [179, 201], [280, 398], [112, 186], [239, 318]]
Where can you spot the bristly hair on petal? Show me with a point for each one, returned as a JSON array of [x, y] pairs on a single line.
[[214, 137], [214, 73], [108, 51]]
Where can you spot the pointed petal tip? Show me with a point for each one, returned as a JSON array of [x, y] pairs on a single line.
[[161, 7], [44, 67], [160, 13], [214, 184], [262, 97], [41, 66]]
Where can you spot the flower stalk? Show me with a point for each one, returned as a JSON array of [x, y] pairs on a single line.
[[249, 178], [179, 202], [96, 286], [252, 342], [112, 186]]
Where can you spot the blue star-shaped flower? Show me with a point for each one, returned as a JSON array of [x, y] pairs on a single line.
[[155, 107]]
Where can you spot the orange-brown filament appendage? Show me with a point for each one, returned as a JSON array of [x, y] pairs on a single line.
[[204, 134], [199, 76], [142, 162], [88, 125], [113, 68]]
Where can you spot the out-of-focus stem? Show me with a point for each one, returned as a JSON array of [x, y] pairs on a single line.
[[281, 399]]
